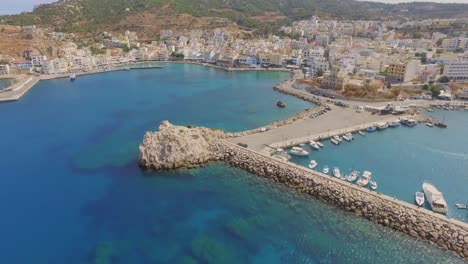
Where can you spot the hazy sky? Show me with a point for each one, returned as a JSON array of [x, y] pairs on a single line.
[[18, 6]]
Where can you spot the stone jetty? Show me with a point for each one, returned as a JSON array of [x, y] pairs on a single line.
[[185, 147]]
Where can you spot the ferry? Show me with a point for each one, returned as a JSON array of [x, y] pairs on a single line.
[[382, 126], [298, 151], [313, 164], [336, 172], [373, 185], [435, 198], [419, 198], [366, 177], [325, 170], [371, 129], [72, 77]]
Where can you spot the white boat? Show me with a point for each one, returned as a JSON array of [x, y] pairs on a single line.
[[382, 126], [325, 170], [72, 77], [336, 172], [435, 198], [345, 137], [343, 176], [349, 135], [394, 124], [340, 139], [353, 176], [334, 141], [419, 198], [364, 180], [429, 110], [373, 185], [430, 124], [461, 206], [298, 151], [281, 154], [313, 164], [362, 133], [320, 144], [314, 145]]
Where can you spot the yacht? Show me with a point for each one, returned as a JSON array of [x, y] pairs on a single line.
[[362, 133], [419, 198], [325, 170], [394, 124], [353, 176], [314, 145], [298, 151], [371, 129], [334, 141], [435, 198], [364, 180], [336, 172], [313, 164], [373, 185], [382, 126]]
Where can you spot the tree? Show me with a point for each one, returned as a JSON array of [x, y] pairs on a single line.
[[435, 90], [177, 56], [125, 48], [444, 79], [439, 42]]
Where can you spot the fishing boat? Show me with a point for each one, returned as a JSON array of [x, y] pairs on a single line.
[[364, 180], [430, 124], [313, 164], [382, 126], [373, 185], [314, 145], [419, 198], [435, 198], [320, 144], [72, 77], [298, 151], [394, 124], [336, 172], [461, 206], [362, 133], [353, 176], [325, 170], [334, 141], [344, 176], [371, 129]]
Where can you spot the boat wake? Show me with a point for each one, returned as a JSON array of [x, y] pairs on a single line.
[[462, 156]]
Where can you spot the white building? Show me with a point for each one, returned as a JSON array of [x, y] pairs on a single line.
[[457, 70], [4, 69], [56, 66], [322, 40], [38, 60]]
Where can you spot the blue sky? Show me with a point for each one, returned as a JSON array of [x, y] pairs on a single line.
[[18, 6]]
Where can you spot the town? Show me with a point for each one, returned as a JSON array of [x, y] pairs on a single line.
[[339, 58]]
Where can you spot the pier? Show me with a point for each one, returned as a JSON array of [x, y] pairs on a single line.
[[17, 90]]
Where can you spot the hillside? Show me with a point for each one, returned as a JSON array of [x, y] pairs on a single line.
[[263, 15]]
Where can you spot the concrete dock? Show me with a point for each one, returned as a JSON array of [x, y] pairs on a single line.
[[16, 91]]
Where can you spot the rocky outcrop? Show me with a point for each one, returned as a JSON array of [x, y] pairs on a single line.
[[174, 147]]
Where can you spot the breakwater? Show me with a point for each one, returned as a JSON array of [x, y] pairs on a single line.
[[448, 234]]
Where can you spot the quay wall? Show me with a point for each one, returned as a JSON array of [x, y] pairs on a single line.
[[448, 234]]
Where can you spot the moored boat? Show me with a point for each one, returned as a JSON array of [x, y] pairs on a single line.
[[364, 180], [435, 198], [72, 77], [394, 124], [461, 206], [336, 172], [325, 170], [362, 133], [353, 176], [298, 151], [343, 177], [314, 145], [334, 141], [430, 124], [373, 185], [313, 164], [345, 137], [349, 135], [281, 155], [382, 126], [419, 198], [371, 129], [320, 144], [412, 123]]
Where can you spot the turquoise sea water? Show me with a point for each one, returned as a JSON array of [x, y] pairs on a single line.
[[70, 190], [402, 158], [5, 83]]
